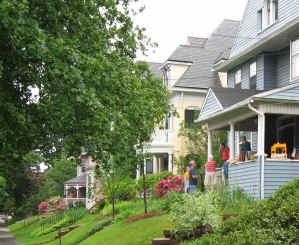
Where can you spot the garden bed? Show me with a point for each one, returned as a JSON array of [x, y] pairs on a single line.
[[143, 216]]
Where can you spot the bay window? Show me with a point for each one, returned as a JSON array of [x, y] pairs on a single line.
[[295, 59]]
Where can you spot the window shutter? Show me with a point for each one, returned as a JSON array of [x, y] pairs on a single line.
[[259, 20]]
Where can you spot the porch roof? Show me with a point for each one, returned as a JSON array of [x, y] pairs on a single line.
[[231, 99], [80, 180]]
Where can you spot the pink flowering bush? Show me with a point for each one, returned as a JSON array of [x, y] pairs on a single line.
[[42, 208], [172, 183]]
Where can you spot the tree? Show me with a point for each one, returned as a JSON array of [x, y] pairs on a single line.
[[196, 138], [79, 56], [62, 169]]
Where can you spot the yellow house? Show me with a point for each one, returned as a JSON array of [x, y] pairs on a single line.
[[188, 74]]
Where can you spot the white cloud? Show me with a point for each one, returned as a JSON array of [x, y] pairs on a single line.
[[169, 22]]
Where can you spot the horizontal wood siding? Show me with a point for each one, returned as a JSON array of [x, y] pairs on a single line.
[[211, 105], [245, 76], [278, 174], [247, 177], [290, 94], [269, 72], [287, 11]]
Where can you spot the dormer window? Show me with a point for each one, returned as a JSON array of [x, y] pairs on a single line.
[[238, 78], [267, 15], [295, 59]]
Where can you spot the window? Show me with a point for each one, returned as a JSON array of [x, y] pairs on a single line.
[[295, 59], [190, 116], [252, 76], [149, 166], [267, 15], [167, 121], [238, 78]]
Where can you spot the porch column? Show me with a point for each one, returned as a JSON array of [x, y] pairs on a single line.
[[232, 141], [137, 173], [77, 190], [170, 162], [66, 191], [155, 164], [210, 143], [261, 150]]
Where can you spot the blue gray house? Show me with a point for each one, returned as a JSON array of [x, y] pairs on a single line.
[[262, 96]]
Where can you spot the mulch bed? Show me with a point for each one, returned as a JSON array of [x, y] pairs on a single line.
[[102, 217], [143, 216]]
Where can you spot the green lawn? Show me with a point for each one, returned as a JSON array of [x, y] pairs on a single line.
[[24, 234], [137, 233]]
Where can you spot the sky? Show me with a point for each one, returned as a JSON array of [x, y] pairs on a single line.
[[169, 22]]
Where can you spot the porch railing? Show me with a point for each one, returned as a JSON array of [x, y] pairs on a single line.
[[163, 136]]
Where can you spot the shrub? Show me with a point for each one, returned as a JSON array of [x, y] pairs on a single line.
[[42, 208], [170, 199], [168, 185], [272, 221], [196, 211], [152, 180]]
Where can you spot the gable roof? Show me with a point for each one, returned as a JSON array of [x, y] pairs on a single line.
[[233, 99], [155, 68], [80, 180], [219, 99], [231, 96], [200, 73]]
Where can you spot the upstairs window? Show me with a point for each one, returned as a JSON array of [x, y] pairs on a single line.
[[191, 114], [267, 15], [238, 79], [167, 121], [252, 75], [295, 59]]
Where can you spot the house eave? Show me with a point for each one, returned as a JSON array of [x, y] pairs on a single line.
[[189, 89], [260, 46]]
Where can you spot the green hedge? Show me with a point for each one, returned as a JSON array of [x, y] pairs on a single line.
[[272, 221]]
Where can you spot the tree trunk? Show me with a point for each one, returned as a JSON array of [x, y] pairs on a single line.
[[144, 191]]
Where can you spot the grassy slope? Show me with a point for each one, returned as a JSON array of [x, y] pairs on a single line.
[[25, 234], [85, 225], [137, 233]]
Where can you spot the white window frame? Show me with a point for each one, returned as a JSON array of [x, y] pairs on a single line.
[[294, 76], [269, 13], [252, 69], [238, 77]]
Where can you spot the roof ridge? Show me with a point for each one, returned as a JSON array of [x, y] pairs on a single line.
[[231, 20], [191, 46], [198, 37]]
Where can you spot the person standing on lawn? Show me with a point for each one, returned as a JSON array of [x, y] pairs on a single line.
[[224, 153], [210, 177], [193, 177], [186, 179]]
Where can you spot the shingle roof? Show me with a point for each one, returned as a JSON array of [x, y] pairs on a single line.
[[200, 73], [155, 68], [197, 41], [185, 53], [78, 180], [231, 96]]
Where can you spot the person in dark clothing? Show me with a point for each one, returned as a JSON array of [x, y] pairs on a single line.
[[245, 148], [193, 178]]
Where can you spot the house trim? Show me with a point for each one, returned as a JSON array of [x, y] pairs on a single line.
[[254, 48], [205, 101]]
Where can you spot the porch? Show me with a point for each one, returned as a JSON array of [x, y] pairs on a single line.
[[273, 119], [160, 162], [76, 189]]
